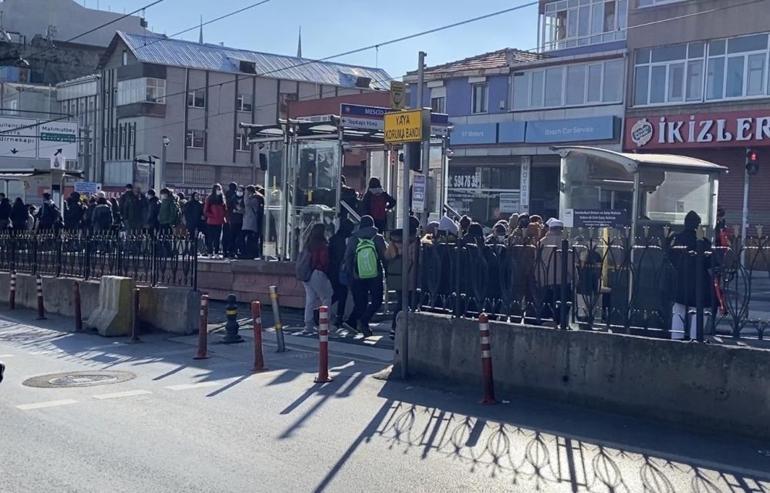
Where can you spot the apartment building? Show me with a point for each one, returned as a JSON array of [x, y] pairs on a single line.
[[699, 86], [191, 97]]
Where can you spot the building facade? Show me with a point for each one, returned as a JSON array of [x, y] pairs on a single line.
[[510, 108], [193, 96], [699, 85]]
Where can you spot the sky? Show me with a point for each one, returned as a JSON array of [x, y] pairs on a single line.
[[334, 26]]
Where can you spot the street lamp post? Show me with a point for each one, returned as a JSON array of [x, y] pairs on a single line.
[[160, 171]]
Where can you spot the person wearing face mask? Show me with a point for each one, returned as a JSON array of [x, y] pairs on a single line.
[[499, 234], [168, 214], [193, 215], [215, 213], [235, 224]]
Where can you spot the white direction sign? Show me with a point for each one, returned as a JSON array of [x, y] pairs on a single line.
[[59, 135], [18, 137]]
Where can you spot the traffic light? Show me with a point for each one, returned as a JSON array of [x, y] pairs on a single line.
[[752, 161]]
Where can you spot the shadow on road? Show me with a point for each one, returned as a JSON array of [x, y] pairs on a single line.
[[538, 446]]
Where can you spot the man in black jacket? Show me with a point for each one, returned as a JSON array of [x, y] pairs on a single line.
[[73, 212], [5, 212], [685, 288], [337, 275], [48, 216], [151, 213]]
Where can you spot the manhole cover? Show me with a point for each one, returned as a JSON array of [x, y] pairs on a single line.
[[79, 379]]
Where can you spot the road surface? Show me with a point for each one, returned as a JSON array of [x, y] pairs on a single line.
[[212, 426]]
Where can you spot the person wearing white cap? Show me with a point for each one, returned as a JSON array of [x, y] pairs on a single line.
[[549, 275], [448, 227]]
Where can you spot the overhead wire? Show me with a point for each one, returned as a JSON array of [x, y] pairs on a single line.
[[412, 36]]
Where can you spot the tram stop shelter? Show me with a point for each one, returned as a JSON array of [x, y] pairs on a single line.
[[303, 161], [600, 188]]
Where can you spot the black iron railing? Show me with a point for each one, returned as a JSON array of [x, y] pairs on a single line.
[[648, 287], [150, 259]]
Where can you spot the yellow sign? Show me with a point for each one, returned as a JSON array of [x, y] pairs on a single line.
[[397, 95], [404, 126]]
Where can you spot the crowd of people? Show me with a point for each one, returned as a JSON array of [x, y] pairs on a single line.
[[230, 221]]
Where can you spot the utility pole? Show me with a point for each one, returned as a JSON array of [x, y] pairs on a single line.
[[406, 236], [425, 156]]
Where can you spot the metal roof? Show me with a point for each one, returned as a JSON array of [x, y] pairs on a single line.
[[632, 161], [161, 50]]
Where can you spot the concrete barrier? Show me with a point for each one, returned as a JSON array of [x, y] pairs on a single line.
[[703, 385], [168, 309], [250, 279], [115, 314]]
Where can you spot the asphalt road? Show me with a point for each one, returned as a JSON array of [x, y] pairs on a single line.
[[212, 426]]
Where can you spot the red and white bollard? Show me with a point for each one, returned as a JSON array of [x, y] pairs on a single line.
[[40, 305], [203, 329], [12, 291], [486, 361], [256, 315], [323, 346]]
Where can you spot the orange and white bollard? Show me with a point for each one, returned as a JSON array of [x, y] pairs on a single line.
[[40, 305], [256, 315], [12, 291], [76, 303], [203, 329], [486, 361], [323, 346]]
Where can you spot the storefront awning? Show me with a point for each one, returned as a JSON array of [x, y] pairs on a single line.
[[633, 162]]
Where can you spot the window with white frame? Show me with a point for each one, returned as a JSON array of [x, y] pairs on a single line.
[[702, 71], [438, 99], [242, 142], [480, 96], [243, 103], [196, 98], [573, 85], [142, 90], [572, 23], [195, 139], [651, 3]]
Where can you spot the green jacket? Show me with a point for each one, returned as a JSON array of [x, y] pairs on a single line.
[[169, 213]]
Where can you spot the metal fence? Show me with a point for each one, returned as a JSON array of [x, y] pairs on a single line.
[[150, 259], [605, 282]]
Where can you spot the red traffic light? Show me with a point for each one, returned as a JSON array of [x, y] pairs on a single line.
[[752, 156]]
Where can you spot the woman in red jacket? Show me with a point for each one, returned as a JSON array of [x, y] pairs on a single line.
[[215, 213], [318, 288]]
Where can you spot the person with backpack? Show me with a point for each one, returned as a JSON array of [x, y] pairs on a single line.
[[102, 216], [347, 196], [364, 258], [377, 203], [48, 216], [337, 275], [312, 270], [168, 212]]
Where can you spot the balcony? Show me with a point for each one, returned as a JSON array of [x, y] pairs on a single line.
[[571, 24]]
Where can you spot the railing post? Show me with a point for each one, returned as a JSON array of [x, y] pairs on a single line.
[[456, 272], [59, 242], [700, 254], [564, 287]]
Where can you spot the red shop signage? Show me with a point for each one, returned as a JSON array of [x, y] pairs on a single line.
[[735, 129]]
